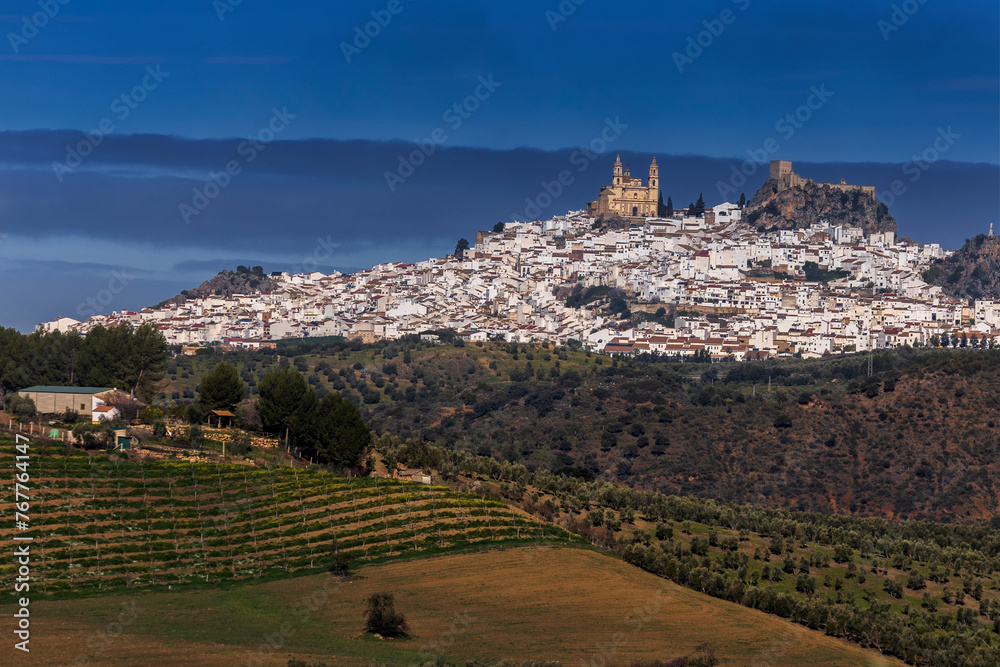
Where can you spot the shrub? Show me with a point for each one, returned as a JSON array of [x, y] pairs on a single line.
[[94, 436], [382, 618], [240, 444], [21, 407], [341, 564], [196, 437]]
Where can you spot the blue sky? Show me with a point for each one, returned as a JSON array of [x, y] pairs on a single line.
[[200, 78]]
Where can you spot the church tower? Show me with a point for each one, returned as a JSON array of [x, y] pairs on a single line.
[[618, 170], [654, 177]]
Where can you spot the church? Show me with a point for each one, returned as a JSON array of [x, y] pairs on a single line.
[[626, 197]]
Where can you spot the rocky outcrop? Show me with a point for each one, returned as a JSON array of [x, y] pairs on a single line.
[[227, 283], [972, 272], [803, 205]]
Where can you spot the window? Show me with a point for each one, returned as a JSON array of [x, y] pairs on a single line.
[[82, 406]]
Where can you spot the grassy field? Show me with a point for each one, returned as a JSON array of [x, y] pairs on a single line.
[[563, 604]]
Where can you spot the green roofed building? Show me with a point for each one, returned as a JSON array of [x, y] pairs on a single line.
[[56, 400]]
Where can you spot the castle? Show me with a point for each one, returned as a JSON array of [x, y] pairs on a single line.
[[626, 197], [781, 171]]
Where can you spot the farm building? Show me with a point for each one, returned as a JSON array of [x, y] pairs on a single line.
[[105, 413], [415, 475], [56, 400]]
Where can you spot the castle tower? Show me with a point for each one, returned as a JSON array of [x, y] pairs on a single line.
[[781, 171], [654, 177], [618, 170]]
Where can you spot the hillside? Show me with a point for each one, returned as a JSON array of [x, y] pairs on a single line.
[[226, 283], [924, 592], [804, 205], [120, 525], [972, 272], [918, 440], [559, 604]]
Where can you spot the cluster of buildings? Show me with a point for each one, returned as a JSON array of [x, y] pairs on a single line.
[[737, 292]]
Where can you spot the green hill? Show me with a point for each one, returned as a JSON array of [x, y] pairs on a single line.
[[917, 440], [110, 525], [925, 592]]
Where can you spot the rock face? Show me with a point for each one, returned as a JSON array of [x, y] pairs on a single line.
[[973, 272], [799, 206], [227, 283]]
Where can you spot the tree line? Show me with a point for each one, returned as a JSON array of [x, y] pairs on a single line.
[[133, 359]]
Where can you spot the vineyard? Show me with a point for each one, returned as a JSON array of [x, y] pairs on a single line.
[[104, 525]]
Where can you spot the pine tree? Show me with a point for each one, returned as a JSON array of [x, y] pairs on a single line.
[[670, 206], [222, 387], [700, 206], [283, 393], [660, 208], [743, 199]]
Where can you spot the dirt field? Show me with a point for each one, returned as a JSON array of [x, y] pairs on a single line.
[[563, 604]]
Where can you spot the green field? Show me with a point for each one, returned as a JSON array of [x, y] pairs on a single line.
[[106, 525]]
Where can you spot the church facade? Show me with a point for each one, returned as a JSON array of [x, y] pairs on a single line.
[[627, 197]]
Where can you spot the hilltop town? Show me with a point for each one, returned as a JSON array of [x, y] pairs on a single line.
[[734, 290]]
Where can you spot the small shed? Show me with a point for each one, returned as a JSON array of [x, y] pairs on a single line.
[[123, 441], [415, 475], [220, 416]]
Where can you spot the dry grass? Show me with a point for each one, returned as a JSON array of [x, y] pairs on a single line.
[[526, 603]]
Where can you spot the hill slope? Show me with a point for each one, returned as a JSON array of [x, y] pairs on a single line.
[[972, 272], [558, 604], [227, 283], [112, 525], [917, 441], [805, 205]]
